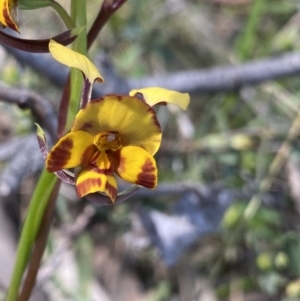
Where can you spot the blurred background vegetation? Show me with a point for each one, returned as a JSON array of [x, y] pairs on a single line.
[[238, 239]]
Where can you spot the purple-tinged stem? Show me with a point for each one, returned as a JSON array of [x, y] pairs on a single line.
[[38, 46], [107, 9]]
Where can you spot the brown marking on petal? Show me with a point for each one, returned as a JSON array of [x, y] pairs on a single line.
[[8, 18], [97, 99], [116, 160], [86, 126], [119, 97], [140, 97], [121, 166], [83, 187], [89, 153], [102, 171], [154, 118], [59, 156], [162, 103], [147, 177], [111, 191]]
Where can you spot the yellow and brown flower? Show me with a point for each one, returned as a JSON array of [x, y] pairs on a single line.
[[112, 135]]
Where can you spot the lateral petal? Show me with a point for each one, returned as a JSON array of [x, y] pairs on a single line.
[[8, 14], [64, 175], [71, 150], [133, 119], [74, 59], [91, 180], [156, 95], [135, 165]]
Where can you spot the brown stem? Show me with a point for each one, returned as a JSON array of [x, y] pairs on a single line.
[[107, 9], [38, 46], [39, 247], [63, 108]]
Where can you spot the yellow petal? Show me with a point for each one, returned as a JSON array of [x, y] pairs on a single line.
[[135, 121], [91, 180], [8, 14], [72, 150], [155, 95], [135, 165], [103, 163], [74, 59]]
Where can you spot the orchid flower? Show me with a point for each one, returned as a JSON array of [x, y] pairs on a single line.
[[112, 135]]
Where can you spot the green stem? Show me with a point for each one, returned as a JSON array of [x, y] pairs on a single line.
[[78, 15], [63, 14], [32, 222], [47, 181], [39, 246]]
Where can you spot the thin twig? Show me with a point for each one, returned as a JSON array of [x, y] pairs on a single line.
[[227, 78], [212, 80], [40, 107]]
